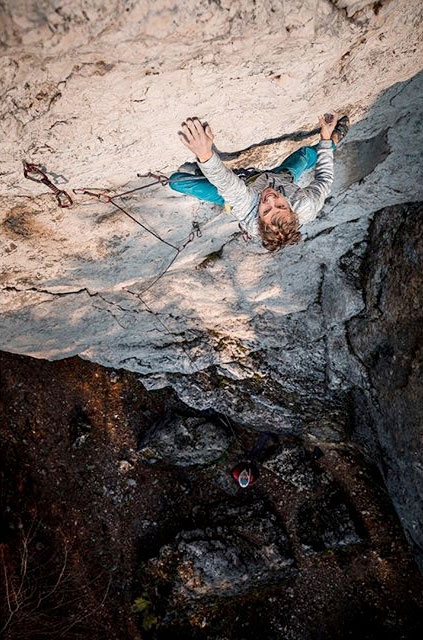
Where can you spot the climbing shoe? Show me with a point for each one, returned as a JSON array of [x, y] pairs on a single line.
[[342, 127]]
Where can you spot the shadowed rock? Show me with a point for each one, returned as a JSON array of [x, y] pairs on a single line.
[[242, 549], [388, 338], [184, 441]]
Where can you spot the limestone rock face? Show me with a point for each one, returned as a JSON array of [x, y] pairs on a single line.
[[94, 93]]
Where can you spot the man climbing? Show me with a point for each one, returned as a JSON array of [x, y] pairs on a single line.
[[268, 204]]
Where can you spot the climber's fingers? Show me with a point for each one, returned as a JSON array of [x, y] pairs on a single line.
[[327, 123], [188, 131], [193, 128], [197, 137], [208, 130], [183, 138], [196, 124]]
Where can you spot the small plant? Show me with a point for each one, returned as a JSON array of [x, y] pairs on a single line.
[[142, 606]]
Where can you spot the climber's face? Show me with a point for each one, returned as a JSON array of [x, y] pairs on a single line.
[[273, 207]]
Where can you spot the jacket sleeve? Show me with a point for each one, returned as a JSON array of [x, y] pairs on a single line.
[[232, 189], [315, 194]]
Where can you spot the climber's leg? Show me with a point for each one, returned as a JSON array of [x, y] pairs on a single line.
[[300, 161], [197, 186]]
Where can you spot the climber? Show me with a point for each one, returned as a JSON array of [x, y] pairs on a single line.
[[246, 473], [268, 204]]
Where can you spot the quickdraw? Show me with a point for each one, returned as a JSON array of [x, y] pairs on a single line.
[[34, 173]]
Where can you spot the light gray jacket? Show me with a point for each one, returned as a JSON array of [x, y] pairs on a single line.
[[244, 198]]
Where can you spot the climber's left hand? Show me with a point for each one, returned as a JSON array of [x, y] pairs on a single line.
[[327, 126]]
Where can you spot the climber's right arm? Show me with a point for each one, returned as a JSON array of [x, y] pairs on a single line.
[[199, 139]]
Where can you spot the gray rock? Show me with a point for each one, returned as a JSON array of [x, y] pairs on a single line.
[[293, 466], [243, 548], [387, 337], [184, 441]]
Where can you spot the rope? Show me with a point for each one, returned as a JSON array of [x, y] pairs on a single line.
[[32, 172], [36, 174]]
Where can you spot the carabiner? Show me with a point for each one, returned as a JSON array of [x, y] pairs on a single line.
[[63, 199]]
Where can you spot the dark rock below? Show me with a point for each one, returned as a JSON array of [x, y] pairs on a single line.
[[388, 338], [184, 441], [326, 523], [293, 465], [244, 548]]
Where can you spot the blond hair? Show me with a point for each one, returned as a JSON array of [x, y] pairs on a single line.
[[287, 231]]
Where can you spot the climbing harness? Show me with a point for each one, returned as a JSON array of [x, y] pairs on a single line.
[[34, 173], [244, 234]]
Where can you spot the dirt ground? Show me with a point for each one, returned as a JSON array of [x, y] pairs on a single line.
[[82, 515]]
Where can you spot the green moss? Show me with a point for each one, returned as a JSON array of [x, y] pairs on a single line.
[[149, 621], [142, 606]]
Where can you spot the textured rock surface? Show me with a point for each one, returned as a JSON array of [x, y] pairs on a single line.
[[184, 441], [243, 549], [95, 92], [314, 547], [388, 338], [296, 344]]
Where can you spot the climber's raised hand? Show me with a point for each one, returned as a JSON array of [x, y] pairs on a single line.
[[327, 125], [198, 137]]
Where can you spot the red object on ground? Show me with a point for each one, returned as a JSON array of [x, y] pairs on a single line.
[[245, 474]]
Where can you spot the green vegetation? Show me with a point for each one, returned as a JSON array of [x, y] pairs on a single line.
[[142, 606]]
